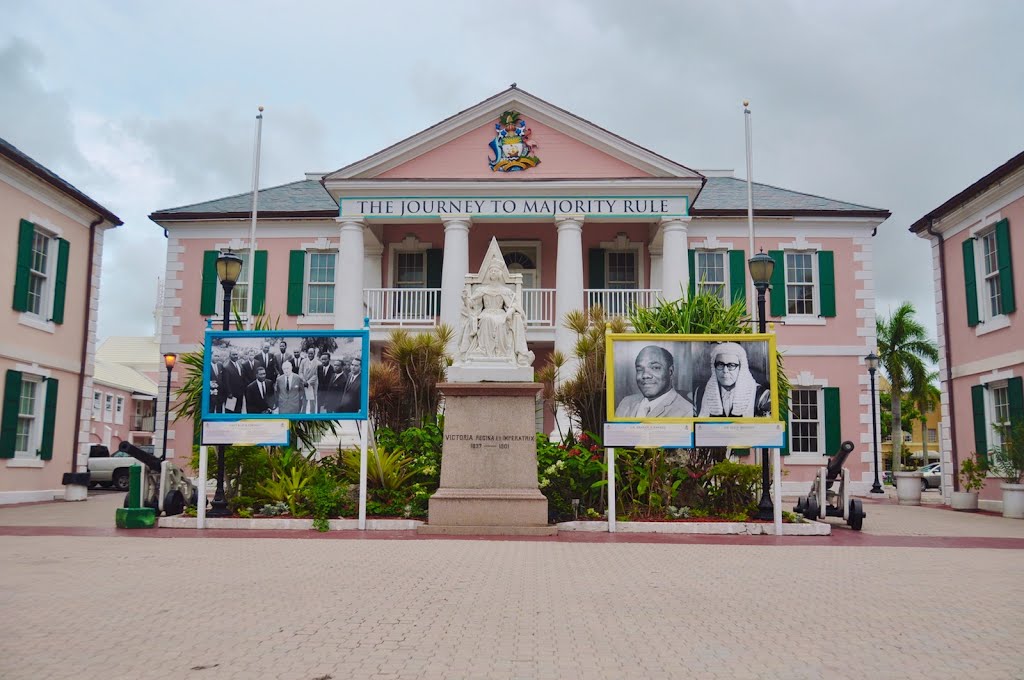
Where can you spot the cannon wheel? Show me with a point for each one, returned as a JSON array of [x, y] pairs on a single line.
[[801, 503], [856, 520], [174, 503], [812, 509]]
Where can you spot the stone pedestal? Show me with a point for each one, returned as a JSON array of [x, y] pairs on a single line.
[[489, 463]]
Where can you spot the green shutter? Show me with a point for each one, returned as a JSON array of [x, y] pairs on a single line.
[[435, 266], [26, 232], [9, 421], [208, 300], [1015, 396], [738, 276], [778, 283], [1008, 300], [259, 283], [691, 256], [296, 282], [596, 269], [970, 283], [49, 419], [833, 425], [61, 280], [827, 284], [740, 453], [980, 427]]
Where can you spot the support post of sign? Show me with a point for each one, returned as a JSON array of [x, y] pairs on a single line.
[[363, 432], [610, 458], [777, 488], [204, 457]]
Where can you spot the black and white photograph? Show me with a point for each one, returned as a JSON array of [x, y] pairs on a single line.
[[690, 377], [314, 376]]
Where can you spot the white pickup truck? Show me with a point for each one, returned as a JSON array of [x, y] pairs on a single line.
[[110, 471]]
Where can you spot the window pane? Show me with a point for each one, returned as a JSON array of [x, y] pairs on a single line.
[[410, 270], [40, 247], [800, 283], [804, 421], [240, 293], [710, 274], [621, 270], [321, 298], [321, 267], [989, 250]]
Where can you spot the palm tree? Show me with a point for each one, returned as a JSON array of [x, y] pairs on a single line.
[[903, 347]]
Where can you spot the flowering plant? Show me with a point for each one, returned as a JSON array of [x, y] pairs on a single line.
[[572, 469]]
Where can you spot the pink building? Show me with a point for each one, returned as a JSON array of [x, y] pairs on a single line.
[[588, 218], [51, 276], [976, 239], [123, 407]]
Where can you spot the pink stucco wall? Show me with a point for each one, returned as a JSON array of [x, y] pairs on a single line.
[[118, 432], [560, 156]]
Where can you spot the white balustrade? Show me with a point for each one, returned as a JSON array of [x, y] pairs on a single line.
[[622, 301], [539, 305], [402, 306]]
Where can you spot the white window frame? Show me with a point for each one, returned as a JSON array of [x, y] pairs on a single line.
[[637, 269], [307, 281], [35, 433], [108, 407], [43, 320], [119, 410], [395, 254], [526, 247], [820, 405], [239, 302], [97, 405], [724, 291], [932, 435], [815, 312], [992, 421]]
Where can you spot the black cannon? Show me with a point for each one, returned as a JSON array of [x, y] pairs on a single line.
[[824, 501], [165, 488]]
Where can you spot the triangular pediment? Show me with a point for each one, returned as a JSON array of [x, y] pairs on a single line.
[[567, 146]]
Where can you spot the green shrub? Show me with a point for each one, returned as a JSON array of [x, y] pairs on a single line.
[[732, 489], [574, 469]]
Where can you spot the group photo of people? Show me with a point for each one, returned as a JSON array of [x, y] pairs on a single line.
[[690, 379], [277, 375]]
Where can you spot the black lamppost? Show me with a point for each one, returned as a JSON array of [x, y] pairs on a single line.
[[229, 266], [872, 363], [169, 360], [761, 268]]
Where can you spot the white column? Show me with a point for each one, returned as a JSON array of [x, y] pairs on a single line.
[[348, 275], [656, 262], [454, 269], [675, 265], [568, 284]]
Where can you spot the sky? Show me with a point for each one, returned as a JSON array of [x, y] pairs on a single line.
[[147, 105]]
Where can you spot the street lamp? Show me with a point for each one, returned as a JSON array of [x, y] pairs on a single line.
[[229, 266], [761, 268], [169, 360], [871, 361]]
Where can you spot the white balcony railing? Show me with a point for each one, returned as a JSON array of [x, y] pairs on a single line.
[[621, 302], [422, 306], [402, 306]]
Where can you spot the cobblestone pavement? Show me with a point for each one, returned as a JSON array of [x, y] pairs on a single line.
[[210, 608]]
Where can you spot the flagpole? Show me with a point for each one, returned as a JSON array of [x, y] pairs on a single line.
[[252, 226], [750, 195]]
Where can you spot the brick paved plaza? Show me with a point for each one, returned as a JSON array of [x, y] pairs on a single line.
[[125, 606]]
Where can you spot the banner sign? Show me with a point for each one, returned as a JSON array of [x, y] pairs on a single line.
[[247, 433], [692, 378], [289, 375], [649, 435], [741, 435], [518, 206]]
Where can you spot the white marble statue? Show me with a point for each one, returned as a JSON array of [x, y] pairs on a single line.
[[493, 331]]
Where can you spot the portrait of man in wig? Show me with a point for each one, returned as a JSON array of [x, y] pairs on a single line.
[[731, 391]]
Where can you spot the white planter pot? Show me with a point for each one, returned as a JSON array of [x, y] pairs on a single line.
[[964, 500], [76, 492], [908, 487], [1013, 500]]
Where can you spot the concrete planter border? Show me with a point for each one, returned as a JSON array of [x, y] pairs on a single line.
[[707, 528], [287, 523]]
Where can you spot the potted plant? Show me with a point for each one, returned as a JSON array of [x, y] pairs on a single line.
[[1010, 466], [972, 478]]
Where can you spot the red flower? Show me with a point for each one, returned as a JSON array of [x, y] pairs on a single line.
[[593, 447], [584, 438], [595, 457]]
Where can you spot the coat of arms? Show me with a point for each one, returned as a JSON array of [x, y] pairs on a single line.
[[511, 146]]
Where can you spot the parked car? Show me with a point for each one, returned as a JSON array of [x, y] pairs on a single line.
[[110, 470], [932, 476]]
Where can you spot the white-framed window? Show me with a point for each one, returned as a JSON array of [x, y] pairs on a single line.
[[119, 411], [621, 271], [801, 280], [320, 267], [806, 426], [28, 437], [108, 408], [97, 405], [240, 293], [411, 269], [933, 435], [521, 258], [991, 293], [41, 274], [712, 272], [999, 399]]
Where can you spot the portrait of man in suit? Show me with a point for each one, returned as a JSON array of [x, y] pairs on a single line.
[[266, 358], [288, 391], [350, 398], [233, 385], [324, 374], [259, 394], [655, 376]]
